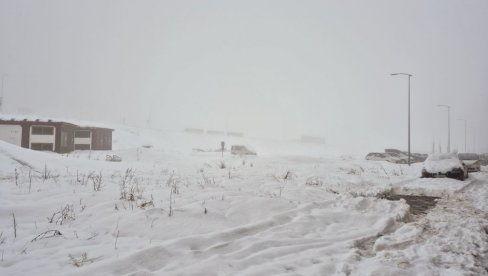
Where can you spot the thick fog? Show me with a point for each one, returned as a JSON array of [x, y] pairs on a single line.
[[279, 69]]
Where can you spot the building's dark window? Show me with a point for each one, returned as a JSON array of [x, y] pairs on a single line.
[[82, 147], [82, 134], [42, 146], [42, 130]]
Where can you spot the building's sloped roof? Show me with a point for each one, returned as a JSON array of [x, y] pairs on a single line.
[[31, 119]]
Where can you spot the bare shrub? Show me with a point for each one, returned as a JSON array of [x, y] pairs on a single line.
[[14, 222], [66, 214], [314, 181], [134, 192], [288, 175], [30, 179], [80, 261], [206, 180], [97, 182], [16, 177], [174, 190], [125, 182], [47, 234], [46, 174], [147, 204]]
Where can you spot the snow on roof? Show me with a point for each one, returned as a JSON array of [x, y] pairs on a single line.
[[469, 156], [34, 118], [442, 162]]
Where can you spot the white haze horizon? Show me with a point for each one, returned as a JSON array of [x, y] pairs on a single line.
[[274, 69]]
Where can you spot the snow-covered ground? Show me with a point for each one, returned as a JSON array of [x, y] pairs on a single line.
[[292, 209]]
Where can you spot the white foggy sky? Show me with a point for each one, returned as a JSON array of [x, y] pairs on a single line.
[[271, 68]]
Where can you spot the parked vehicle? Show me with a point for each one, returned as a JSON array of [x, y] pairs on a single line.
[[445, 165], [113, 158], [241, 150], [484, 159], [396, 156], [471, 160]]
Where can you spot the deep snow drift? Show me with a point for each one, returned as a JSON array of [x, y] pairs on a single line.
[[294, 208]]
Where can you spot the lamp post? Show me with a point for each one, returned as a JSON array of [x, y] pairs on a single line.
[[448, 126], [2, 93], [409, 76], [465, 132]]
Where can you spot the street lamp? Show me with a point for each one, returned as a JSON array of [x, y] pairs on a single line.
[[409, 76], [2, 93], [465, 132], [448, 126]]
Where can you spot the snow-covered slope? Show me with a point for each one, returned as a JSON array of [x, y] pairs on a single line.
[[167, 210]]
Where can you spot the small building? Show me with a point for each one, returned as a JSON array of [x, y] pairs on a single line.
[[194, 130], [216, 132], [61, 137], [312, 140], [235, 133]]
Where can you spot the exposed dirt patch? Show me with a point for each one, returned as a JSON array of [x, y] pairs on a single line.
[[419, 205]]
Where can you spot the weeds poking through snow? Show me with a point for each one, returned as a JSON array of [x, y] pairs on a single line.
[[285, 177], [16, 177], [92, 236], [83, 206], [47, 234], [30, 179], [147, 204], [80, 261], [384, 170], [14, 224], [46, 174], [62, 216], [206, 180], [314, 181], [116, 239], [174, 190], [97, 182], [171, 202], [125, 182]]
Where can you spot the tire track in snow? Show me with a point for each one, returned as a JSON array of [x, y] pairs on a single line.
[[455, 233], [292, 238]]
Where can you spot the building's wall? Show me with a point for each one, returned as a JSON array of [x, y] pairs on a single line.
[[83, 139], [43, 138], [66, 139], [63, 137], [11, 134], [102, 139], [25, 135]]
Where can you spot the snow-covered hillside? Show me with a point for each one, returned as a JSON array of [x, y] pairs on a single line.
[[292, 209]]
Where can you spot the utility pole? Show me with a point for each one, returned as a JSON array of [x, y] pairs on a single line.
[[465, 132], [448, 126], [2, 93], [409, 76]]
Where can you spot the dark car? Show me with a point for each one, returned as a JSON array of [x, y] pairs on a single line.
[[445, 165]]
